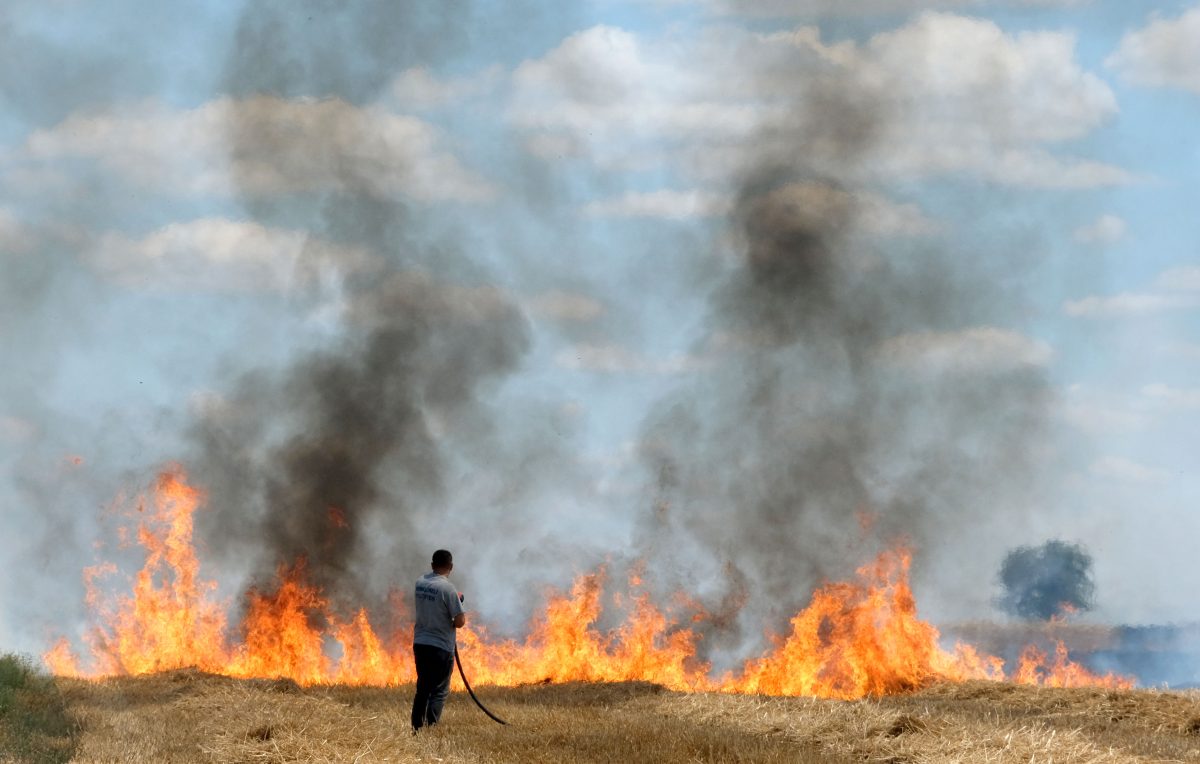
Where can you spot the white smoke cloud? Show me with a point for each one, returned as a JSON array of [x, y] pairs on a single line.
[[808, 8], [1177, 398], [1106, 229], [1164, 53], [1185, 278], [420, 89], [1176, 289], [978, 349], [875, 214], [1127, 304], [963, 97], [1101, 413], [667, 204], [566, 307], [1188, 350], [15, 428], [613, 358], [14, 235], [176, 151], [216, 254], [1127, 470]]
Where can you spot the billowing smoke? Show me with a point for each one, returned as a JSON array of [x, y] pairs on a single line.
[[1047, 580], [859, 393], [347, 443], [857, 387], [350, 432]]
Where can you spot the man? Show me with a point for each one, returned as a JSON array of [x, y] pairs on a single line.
[[439, 612]]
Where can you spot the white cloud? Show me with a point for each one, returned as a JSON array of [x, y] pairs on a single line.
[[1028, 167], [1128, 304], [264, 145], [978, 349], [1164, 53], [602, 91], [1099, 413], [809, 8], [987, 103], [14, 235], [419, 89], [224, 255], [1106, 229], [1180, 398], [883, 218], [943, 94], [1177, 289], [873, 213], [1185, 278], [16, 428], [1188, 350], [567, 307], [1126, 470], [667, 204], [611, 358]]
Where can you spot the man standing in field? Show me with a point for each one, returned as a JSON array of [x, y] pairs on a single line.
[[439, 612]]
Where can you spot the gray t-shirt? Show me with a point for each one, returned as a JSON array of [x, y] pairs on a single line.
[[437, 606]]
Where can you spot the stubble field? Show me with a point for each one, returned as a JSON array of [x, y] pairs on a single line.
[[188, 716]]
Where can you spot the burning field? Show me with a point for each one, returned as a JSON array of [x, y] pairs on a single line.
[[731, 355], [859, 677], [856, 639], [165, 677]]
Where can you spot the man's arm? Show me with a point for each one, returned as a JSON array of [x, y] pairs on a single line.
[[454, 602]]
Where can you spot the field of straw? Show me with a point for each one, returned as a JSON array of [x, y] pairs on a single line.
[[187, 716]]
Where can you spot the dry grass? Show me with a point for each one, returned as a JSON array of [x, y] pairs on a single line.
[[186, 716], [974, 722], [34, 722]]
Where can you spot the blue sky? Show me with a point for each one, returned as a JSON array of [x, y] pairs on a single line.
[[583, 163]]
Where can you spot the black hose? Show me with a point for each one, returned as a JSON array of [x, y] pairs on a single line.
[[471, 692]]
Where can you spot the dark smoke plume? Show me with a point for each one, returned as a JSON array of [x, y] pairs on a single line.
[[1048, 580], [855, 384], [331, 458]]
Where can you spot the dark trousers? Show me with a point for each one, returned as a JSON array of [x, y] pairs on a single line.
[[434, 667]]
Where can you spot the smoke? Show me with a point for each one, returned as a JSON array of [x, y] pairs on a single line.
[[862, 392], [1048, 580], [848, 383], [333, 457], [49, 309]]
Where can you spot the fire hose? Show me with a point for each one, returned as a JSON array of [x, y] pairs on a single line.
[[467, 684], [471, 692]]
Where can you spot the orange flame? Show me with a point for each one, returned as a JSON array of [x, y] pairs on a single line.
[[337, 518], [855, 639], [170, 619], [862, 638]]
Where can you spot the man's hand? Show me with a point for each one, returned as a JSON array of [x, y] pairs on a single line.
[[460, 620]]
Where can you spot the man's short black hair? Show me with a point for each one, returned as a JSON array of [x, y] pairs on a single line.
[[442, 558]]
